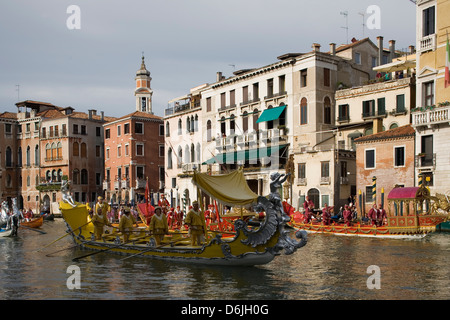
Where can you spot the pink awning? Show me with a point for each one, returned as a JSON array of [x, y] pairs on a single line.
[[403, 193]]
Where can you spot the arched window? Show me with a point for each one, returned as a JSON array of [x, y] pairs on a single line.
[[198, 152], [84, 176], [167, 129], [314, 196], [36, 155], [59, 150], [245, 122], [8, 155], [180, 157], [169, 158], [19, 157], [76, 176], [54, 175], [188, 124], [223, 127], [54, 157], [83, 150], [76, 149], [393, 125], [59, 175], [192, 153], [304, 111], [327, 111], [28, 156], [232, 125], [255, 118], [48, 152], [196, 123], [48, 176], [180, 127], [187, 156], [208, 131]]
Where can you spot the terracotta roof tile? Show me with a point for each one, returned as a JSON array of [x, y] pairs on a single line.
[[403, 131]]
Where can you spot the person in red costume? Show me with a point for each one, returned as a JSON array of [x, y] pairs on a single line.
[[373, 215], [326, 216], [381, 215], [347, 214], [164, 204], [308, 213]]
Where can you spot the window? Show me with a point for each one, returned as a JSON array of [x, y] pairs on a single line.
[[208, 104], [244, 94], [245, 122], [368, 108], [370, 159], [327, 111], [381, 104], [326, 77], [139, 127], [325, 169], [161, 130], [169, 159], [59, 150], [208, 131], [107, 153], [139, 149], [161, 150], [84, 176], [98, 131], [64, 129], [255, 91], [400, 103], [399, 156], [28, 156], [303, 78], [344, 112], [75, 129], [428, 26], [83, 129], [302, 170], [344, 171], [428, 93], [232, 98], [427, 150], [143, 104], [357, 58], [167, 129], [119, 151], [255, 119], [126, 128], [36, 155], [304, 111], [98, 151], [83, 150], [140, 172], [107, 134], [222, 100], [281, 84], [369, 194], [127, 150], [8, 128], [374, 62], [270, 87], [76, 149], [119, 131]]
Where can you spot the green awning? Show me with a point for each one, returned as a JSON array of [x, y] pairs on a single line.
[[242, 155], [271, 114]]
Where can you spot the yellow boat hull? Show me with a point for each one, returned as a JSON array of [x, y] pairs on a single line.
[[245, 248]]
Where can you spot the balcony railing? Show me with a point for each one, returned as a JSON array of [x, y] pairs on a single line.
[[427, 43], [425, 160], [431, 117]]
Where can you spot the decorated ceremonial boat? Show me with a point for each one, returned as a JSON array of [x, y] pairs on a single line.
[[412, 213], [249, 246]]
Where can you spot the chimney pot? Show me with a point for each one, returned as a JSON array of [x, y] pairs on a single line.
[[316, 47], [333, 49]]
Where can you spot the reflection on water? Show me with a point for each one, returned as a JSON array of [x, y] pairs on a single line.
[[328, 267]]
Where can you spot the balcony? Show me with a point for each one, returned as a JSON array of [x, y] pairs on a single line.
[[324, 180], [427, 43], [430, 117], [374, 114], [224, 108], [425, 161], [141, 183], [301, 181], [106, 185]]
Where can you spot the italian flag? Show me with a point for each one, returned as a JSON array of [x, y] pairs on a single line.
[[447, 65]]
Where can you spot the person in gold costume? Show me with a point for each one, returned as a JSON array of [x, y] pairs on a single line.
[[103, 205], [126, 224], [195, 219], [158, 225], [99, 220]]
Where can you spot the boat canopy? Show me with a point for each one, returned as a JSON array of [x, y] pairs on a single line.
[[407, 193], [230, 189]]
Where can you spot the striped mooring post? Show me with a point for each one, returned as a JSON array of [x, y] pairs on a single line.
[[374, 189], [420, 180]]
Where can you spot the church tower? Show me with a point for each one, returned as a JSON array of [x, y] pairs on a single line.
[[143, 91]]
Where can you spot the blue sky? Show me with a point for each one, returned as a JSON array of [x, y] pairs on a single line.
[[185, 43]]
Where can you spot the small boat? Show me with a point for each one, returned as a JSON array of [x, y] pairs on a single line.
[[411, 214], [5, 232], [33, 223], [249, 246]]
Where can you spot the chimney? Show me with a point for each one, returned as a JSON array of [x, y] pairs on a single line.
[[391, 50], [412, 49], [219, 76], [333, 49], [380, 50], [377, 125], [316, 47], [103, 115], [90, 114]]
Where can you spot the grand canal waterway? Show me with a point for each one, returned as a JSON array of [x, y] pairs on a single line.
[[327, 268]]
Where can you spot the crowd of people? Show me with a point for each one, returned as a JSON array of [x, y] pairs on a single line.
[[347, 214]]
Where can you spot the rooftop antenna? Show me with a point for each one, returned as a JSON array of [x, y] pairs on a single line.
[[234, 66], [345, 14], [363, 23]]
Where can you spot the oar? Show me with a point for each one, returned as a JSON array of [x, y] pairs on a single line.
[[152, 248], [63, 236], [37, 230], [103, 250], [49, 254]]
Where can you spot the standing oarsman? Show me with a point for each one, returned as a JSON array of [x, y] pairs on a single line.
[[196, 222]]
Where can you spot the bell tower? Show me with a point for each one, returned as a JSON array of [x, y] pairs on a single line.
[[143, 91]]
